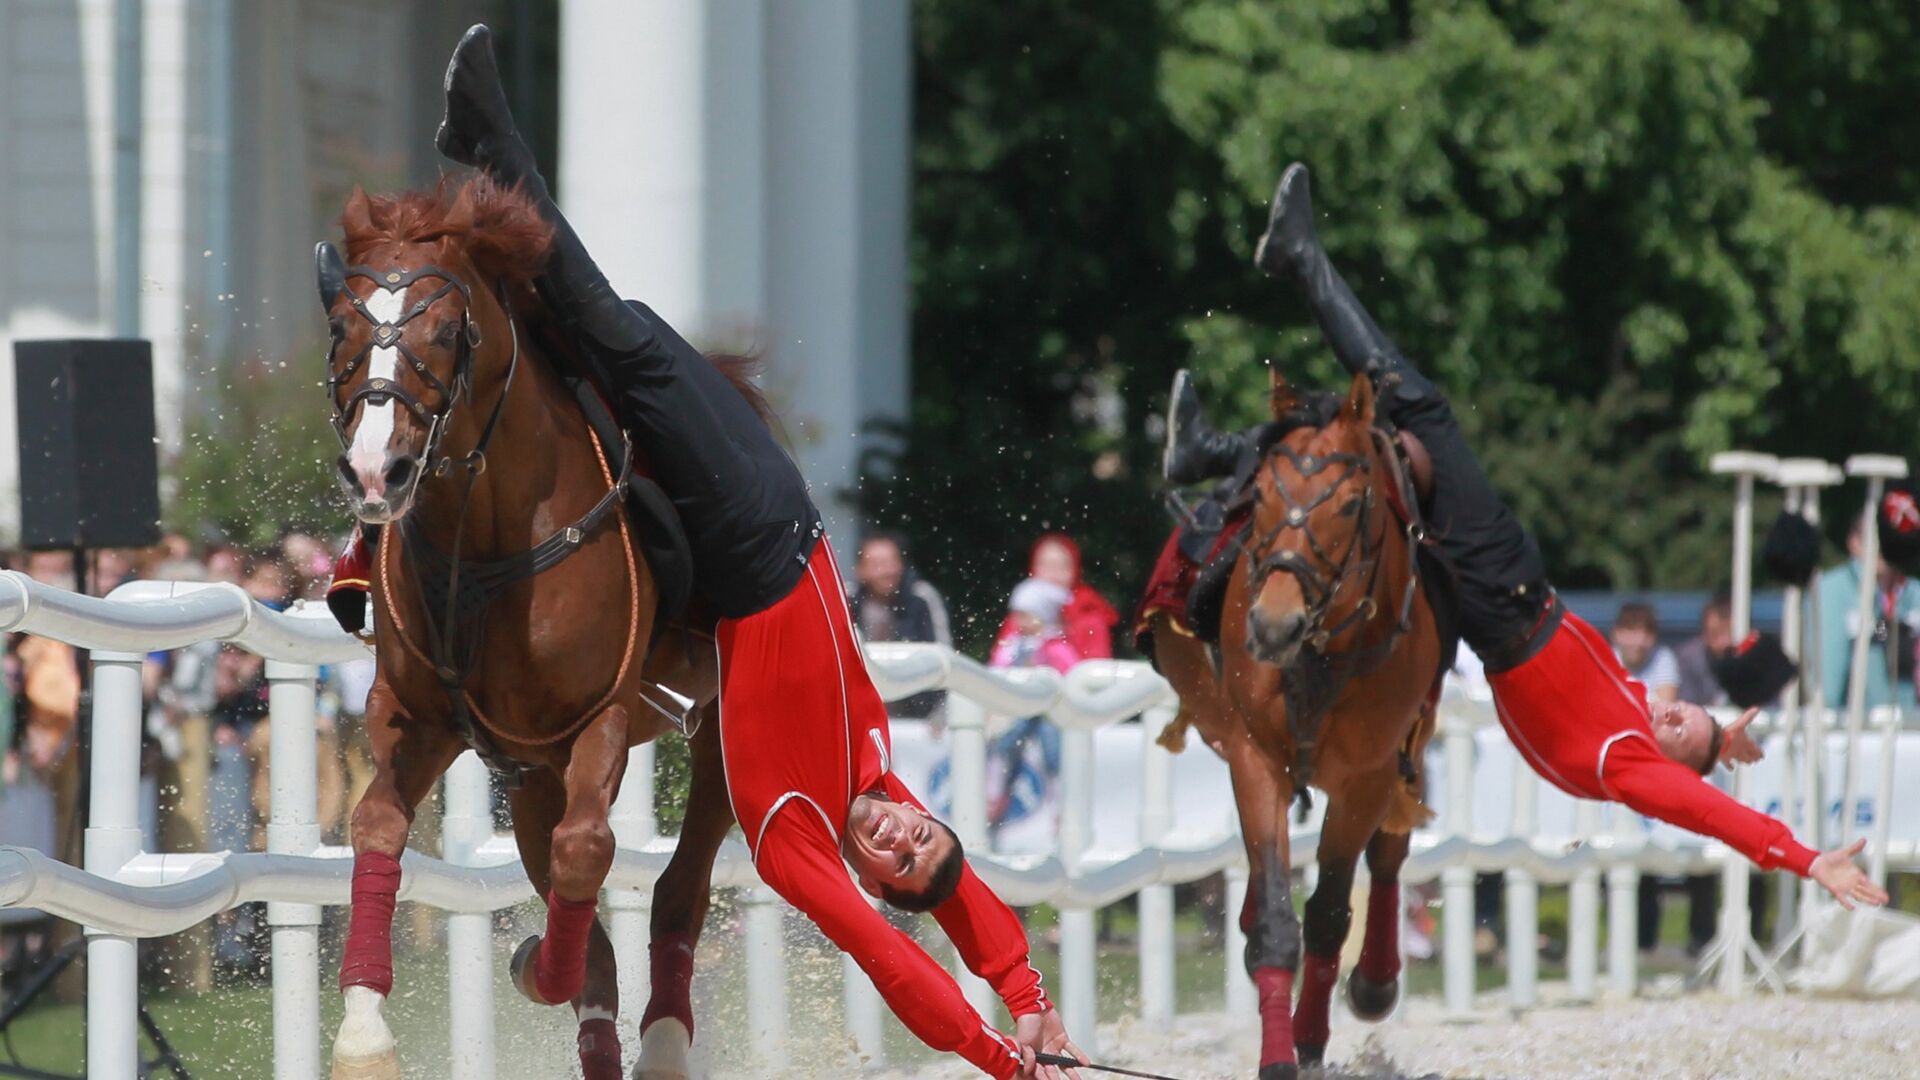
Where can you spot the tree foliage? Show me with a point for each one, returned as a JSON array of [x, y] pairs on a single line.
[[1622, 236]]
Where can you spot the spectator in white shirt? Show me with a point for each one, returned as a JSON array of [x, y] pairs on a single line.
[[1636, 638]]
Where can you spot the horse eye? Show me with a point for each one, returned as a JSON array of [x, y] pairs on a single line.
[[1351, 508], [448, 333]]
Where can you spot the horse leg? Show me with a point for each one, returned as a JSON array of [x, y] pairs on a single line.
[[680, 900], [1261, 794], [1353, 816], [407, 759], [580, 853], [1373, 987], [539, 805]]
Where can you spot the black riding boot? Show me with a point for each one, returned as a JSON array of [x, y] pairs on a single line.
[[1291, 248], [1195, 451], [745, 506]]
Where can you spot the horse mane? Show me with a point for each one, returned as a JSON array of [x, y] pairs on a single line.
[[1310, 409], [502, 232]]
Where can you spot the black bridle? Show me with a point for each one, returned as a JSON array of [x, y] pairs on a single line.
[[1361, 555], [392, 335]]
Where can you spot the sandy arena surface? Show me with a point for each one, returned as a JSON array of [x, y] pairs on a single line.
[[1691, 1038]]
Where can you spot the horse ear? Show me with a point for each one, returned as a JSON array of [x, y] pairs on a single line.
[[1360, 398], [1282, 393], [331, 270], [358, 216]]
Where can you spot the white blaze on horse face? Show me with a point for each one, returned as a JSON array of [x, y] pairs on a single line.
[[368, 454]]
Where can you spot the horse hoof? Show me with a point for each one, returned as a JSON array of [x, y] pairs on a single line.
[[1371, 1000], [379, 1067], [1310, 1054], [521, 970], [663, 1051], [1280, 1070]]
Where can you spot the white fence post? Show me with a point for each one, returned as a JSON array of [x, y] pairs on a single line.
[[1523, 900], [112, 839], [767, 977], [967, 736], [634, 827], [1583, 912], [1157, 993], [1456, 882], [467, 824], [293, 828], [1623, 906], [1079, 1004]]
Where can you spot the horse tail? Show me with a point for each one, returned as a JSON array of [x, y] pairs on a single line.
[[740, 369]]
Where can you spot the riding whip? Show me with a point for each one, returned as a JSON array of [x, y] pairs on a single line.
[[1065, 1062]]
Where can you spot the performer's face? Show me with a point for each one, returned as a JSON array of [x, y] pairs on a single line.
[[1684, 731], [893, 845]]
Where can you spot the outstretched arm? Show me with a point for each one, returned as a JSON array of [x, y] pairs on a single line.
[[800, 862]]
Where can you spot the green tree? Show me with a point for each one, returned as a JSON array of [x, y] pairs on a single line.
[[1606, 229], [257, 459]]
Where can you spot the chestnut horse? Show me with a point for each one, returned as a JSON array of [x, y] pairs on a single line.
[[1329, 662], [464, 442]]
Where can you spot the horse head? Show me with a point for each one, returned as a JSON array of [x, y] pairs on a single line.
[[1317, 530], [417, 329]]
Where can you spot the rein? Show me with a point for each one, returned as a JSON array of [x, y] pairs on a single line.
[[462, 610]]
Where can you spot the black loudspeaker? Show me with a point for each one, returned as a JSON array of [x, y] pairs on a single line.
[[89, 471]]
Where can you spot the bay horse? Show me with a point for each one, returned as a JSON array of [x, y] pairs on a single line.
[[1329, 658], [513, 608]]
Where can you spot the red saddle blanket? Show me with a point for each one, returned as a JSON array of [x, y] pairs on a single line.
[[1173, 577]]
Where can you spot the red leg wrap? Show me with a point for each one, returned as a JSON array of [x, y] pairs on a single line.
[[1380, 953], [368, 957], [1276, 1014], [670, 966], [1316, 996], [599, 1050], [560, 969]]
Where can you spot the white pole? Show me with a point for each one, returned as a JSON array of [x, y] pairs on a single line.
[[1079, 1006], [1456, 882], [1157, 996], [766, 978], [1790, 714], [1523, 900], [634, 827], [1734, 873], [1814, 713], [294, 829], [967, 733], [466, 825], [1623, 923], [1583, 912], [865, 1020], [112, 839]]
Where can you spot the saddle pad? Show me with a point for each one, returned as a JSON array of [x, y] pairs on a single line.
[[1172, 587]]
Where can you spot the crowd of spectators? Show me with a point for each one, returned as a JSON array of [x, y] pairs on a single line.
[[204, 766]]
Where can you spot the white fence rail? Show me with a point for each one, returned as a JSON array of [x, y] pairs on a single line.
[[1534, 834]]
